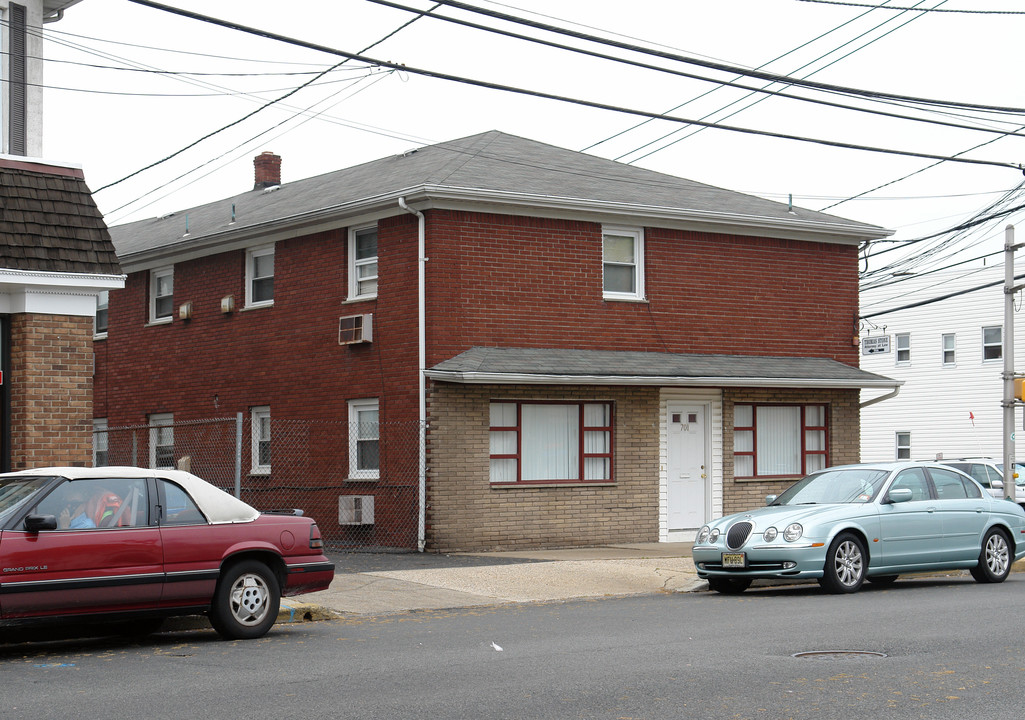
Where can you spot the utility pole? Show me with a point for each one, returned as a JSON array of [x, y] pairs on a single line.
[[1009, 400]]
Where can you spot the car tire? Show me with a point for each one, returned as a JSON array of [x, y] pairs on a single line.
[[882, 579], [246, 601], [994, 559], [846, 564], [729, 586]]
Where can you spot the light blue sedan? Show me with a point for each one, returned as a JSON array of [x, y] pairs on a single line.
[[873, 521]]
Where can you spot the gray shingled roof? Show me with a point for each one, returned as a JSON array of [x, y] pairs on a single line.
[[49, 223], [490, 165], [609, 367]]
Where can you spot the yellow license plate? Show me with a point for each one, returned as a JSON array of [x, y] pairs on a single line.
[[734, 560]]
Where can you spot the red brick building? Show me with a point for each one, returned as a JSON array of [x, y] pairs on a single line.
[[591, 352]]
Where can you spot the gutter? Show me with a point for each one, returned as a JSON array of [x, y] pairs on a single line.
[[887, 396], [421, 313]]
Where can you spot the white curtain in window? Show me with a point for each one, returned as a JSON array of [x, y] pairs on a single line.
[[503, 470], [551, 442], [743, 416], [779, 440]]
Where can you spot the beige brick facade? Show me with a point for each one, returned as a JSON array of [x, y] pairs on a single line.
[[466, 512], [51, 390]]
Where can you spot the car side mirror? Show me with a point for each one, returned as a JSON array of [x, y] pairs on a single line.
[[770, 499], [997, 484], [899, 495], [35, 523]]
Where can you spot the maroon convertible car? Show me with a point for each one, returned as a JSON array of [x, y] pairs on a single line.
[[134, 544]]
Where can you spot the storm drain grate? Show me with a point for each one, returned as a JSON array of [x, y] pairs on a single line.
[[838, 653]]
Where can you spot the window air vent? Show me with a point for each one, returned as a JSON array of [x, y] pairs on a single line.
[[355, 509], [356, 329]]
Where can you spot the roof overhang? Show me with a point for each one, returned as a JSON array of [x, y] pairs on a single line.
[[53, 293], [794, 227], [656, 380], [425, 197], [528, 366]]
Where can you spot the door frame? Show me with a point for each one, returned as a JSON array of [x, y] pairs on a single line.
[[711, 401]]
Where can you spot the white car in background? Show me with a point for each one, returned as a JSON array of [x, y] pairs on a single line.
[[990, 475]]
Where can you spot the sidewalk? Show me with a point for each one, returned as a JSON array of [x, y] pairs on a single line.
[[386, 583]]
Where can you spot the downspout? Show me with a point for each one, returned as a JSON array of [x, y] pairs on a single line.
[[887, 396], [421, 312]]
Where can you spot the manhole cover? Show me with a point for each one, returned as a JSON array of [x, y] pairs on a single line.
[[838, 653]]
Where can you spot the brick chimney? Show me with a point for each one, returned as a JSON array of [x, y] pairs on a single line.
[[268, 170]]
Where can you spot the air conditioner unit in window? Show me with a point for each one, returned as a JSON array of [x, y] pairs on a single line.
[[355, 509], [355, 329]]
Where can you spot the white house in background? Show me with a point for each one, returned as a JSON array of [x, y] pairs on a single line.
[[950, 356]]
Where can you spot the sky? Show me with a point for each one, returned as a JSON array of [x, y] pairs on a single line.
[[130, 86]]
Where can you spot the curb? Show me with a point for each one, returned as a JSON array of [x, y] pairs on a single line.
[[294, 612], [289, 612]]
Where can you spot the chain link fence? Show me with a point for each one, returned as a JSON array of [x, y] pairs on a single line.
[[360, 482]]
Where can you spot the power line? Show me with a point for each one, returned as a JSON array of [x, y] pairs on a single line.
[[916, 9], [941, 298], [719, 83], [765, 97], [550, 96], [732, 69], [958, 234], [226, 153], [373, 44], [53, 34]]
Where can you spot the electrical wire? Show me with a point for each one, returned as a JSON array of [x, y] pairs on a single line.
[[916, 9], [307, 116], [551, 96], [372, 45], [765, 97], [719, 84], [937, 299], [724, 67]]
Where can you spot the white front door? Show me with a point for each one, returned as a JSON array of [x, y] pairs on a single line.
[[688, 482]]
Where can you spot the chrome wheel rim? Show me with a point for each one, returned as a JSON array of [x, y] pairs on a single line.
[[250, 599], [848, 563], [997, 554]]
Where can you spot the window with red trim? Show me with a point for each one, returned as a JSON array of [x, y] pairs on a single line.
[[550, 442], [779, 440]]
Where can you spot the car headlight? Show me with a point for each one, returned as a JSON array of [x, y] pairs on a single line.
[[769, 535], [793, 532], [702, 535], [713, 535]]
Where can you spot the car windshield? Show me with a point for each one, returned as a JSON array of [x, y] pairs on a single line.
[[15, 490], [843, 485]]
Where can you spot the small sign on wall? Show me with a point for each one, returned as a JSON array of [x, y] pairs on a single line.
[[875, 345]]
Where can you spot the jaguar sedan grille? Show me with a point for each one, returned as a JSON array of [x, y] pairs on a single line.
[[738, 534]]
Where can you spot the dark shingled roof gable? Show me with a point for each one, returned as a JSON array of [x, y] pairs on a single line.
[[485, 164], [50, 223]]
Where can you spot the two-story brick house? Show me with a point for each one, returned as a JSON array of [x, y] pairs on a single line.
[[592, 352]]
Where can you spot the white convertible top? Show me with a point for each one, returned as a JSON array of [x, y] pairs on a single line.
[[218, 506]]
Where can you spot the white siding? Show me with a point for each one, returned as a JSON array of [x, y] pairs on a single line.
[[937, 402]]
